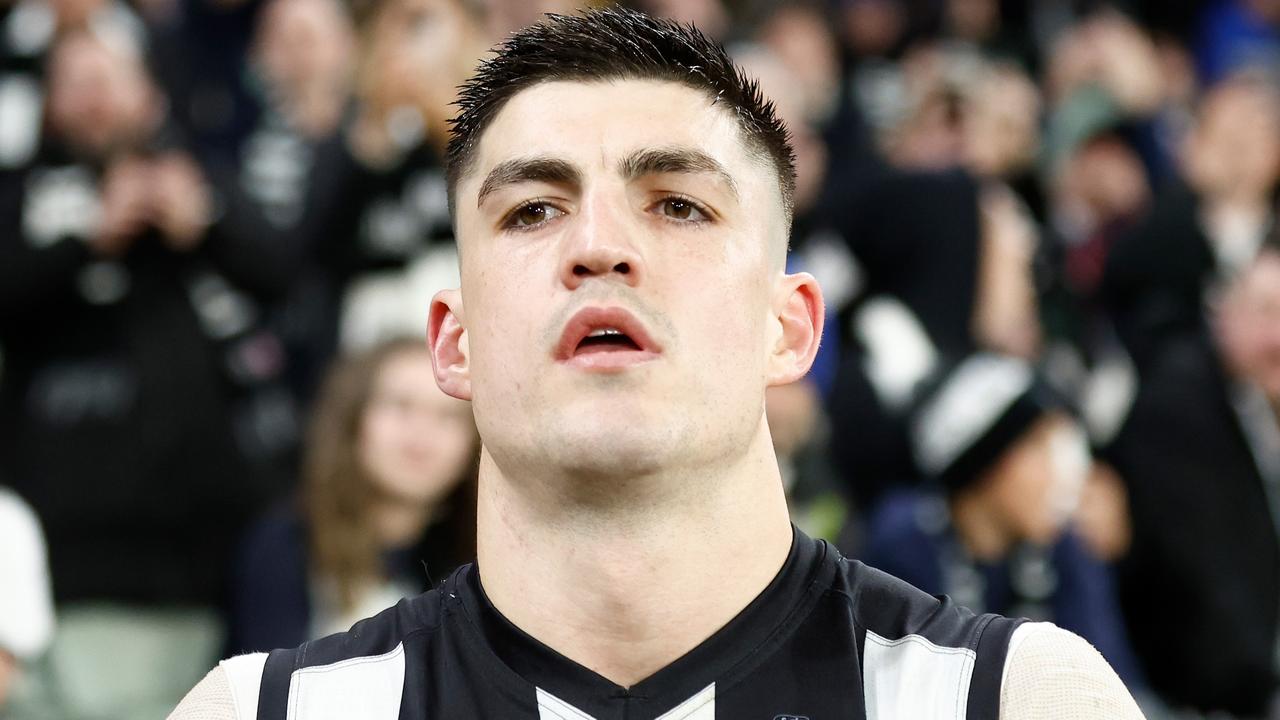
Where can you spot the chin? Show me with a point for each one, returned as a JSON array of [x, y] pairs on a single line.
[[601, 451]]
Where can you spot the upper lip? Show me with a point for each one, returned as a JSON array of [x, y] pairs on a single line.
[[588, 320]]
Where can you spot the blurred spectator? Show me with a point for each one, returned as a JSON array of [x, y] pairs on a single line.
[[139, 399], [304, 50], [26, 606], [799, 35], [1200, 454], [388, 504], [818, 501], [200, 53], [916, 240], [294, 166], [710, 16], [1236, 34], [1204, 230], [28, 28], [345, 163], [984, 26], [389, 229], [506, 16], [1009, 462]]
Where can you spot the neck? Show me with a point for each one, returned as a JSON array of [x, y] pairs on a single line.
[[979, 527], [625, 591], [399, 523]]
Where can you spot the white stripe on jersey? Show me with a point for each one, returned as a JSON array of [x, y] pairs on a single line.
[[913, 678], [362, 688]]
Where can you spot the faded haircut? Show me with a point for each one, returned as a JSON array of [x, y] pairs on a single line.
[[615, 44]]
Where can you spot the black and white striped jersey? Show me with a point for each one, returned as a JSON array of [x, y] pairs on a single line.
[[829, 639]]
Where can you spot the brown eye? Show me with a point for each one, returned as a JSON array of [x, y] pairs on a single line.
[[532, 214], [681, 209]]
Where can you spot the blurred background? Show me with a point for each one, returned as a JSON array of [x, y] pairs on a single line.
[[1050, 385]]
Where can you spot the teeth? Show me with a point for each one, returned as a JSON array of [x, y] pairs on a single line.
[[603, 332]]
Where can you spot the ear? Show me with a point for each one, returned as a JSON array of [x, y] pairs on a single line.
[[799, 311], [447, 341]]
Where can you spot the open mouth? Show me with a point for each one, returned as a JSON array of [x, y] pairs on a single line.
[[605, 339]]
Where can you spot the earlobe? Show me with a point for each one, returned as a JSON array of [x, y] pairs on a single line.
[[447, 341], [800, 314]]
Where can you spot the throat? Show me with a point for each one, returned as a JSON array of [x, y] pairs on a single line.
[[625, 602]]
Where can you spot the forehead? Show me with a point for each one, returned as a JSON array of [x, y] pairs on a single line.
[[593, 124]]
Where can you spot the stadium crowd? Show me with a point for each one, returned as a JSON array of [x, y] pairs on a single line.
[[1050, 385]]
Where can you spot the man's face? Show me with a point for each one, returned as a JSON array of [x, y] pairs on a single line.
[[1249, 325], [629, 207], [99, 99]]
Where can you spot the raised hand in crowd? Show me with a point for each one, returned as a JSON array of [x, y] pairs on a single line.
[[125, 206], [182, 208], [167, 193], [1102, 519]]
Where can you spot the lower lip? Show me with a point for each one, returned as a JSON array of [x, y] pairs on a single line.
[[609, 360]]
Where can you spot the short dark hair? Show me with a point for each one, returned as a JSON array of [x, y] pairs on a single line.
[[613, 44]]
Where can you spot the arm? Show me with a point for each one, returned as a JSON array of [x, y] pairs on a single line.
[[205, 208], [228, 692], [210, 699], [1052, 674]]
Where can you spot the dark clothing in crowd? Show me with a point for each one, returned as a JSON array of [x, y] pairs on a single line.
[[344, 219], [139, 411], [274, 584], [910, 537], [1205, 560], [1156, 276], [200, 56], [916, 239]]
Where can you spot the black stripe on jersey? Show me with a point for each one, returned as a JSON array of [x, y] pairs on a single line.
[[273, 694], [993, 650]]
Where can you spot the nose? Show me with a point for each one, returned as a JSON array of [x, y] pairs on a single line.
[[601, 246]]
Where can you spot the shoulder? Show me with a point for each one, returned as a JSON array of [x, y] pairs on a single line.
[[333, 671], [228, 692], [922, 655], [891, 608], [1053, 673]]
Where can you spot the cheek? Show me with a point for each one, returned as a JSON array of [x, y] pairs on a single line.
[[367, 450], [730, 317], [377, 439], [1025, 497]]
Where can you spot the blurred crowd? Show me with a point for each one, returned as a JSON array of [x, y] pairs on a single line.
[[1050, 384]]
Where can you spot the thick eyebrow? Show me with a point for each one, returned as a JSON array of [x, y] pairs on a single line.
[[674, 159], [533, 169]]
